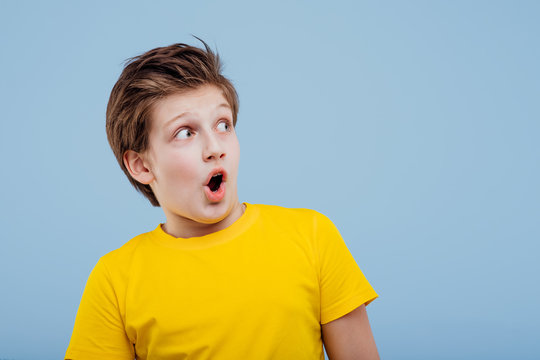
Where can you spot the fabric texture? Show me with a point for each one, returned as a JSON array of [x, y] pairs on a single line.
[[259, 289]]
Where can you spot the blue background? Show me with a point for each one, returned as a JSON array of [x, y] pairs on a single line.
[[413, 125]]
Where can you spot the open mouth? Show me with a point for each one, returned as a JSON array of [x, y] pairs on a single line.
[[215, 182]]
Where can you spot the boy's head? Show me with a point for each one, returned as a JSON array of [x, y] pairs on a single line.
[[145, 83]]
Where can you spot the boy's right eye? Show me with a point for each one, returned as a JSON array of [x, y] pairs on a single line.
[[184, 134]]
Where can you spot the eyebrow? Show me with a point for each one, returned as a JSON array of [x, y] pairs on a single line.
[[169, 122]]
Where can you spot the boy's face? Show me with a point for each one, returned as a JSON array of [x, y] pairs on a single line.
[[191, 140]]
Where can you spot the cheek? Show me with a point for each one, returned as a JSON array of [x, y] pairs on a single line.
[[179, 169], [235, 151]]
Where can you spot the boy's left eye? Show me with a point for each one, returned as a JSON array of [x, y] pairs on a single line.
[[223, 126]]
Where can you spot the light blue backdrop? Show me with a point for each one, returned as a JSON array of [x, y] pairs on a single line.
[[414, 125]]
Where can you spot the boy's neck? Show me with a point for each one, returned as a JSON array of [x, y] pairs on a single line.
[[181, 227]]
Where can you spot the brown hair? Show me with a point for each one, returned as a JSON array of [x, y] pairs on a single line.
[[150, 77]]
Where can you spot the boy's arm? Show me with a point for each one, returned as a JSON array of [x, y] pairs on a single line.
[[98, 332], [349, 337]]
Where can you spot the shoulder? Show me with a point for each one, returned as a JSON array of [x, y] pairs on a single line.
[[276, 210], [296, 217], [123, 256]]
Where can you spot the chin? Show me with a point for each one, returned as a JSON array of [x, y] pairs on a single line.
[[217, 213]]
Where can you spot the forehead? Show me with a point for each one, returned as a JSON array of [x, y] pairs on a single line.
[[203, 100]]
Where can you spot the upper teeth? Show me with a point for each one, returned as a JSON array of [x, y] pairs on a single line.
[[216, 175]]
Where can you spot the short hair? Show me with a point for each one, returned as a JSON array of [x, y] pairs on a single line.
[[152, 76]]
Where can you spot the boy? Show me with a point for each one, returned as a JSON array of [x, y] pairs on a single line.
[[219, 279]]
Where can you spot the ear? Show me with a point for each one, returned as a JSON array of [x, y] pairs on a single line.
[[137, 167]]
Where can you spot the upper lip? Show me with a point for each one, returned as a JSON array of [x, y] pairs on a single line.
[[215, 171]]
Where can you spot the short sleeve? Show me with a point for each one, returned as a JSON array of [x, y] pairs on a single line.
[[99, 332], [343, 286]]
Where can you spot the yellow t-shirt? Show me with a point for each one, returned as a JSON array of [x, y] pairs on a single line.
[[259, 289]]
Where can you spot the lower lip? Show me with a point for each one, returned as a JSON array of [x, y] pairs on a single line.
[[217, 195]]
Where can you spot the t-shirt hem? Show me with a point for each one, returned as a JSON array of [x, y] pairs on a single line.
[[349, 305]]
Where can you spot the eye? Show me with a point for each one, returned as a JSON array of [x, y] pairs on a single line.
[[184, 134], [223, 126]]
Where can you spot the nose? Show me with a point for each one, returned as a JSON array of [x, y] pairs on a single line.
[[213, 148]]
